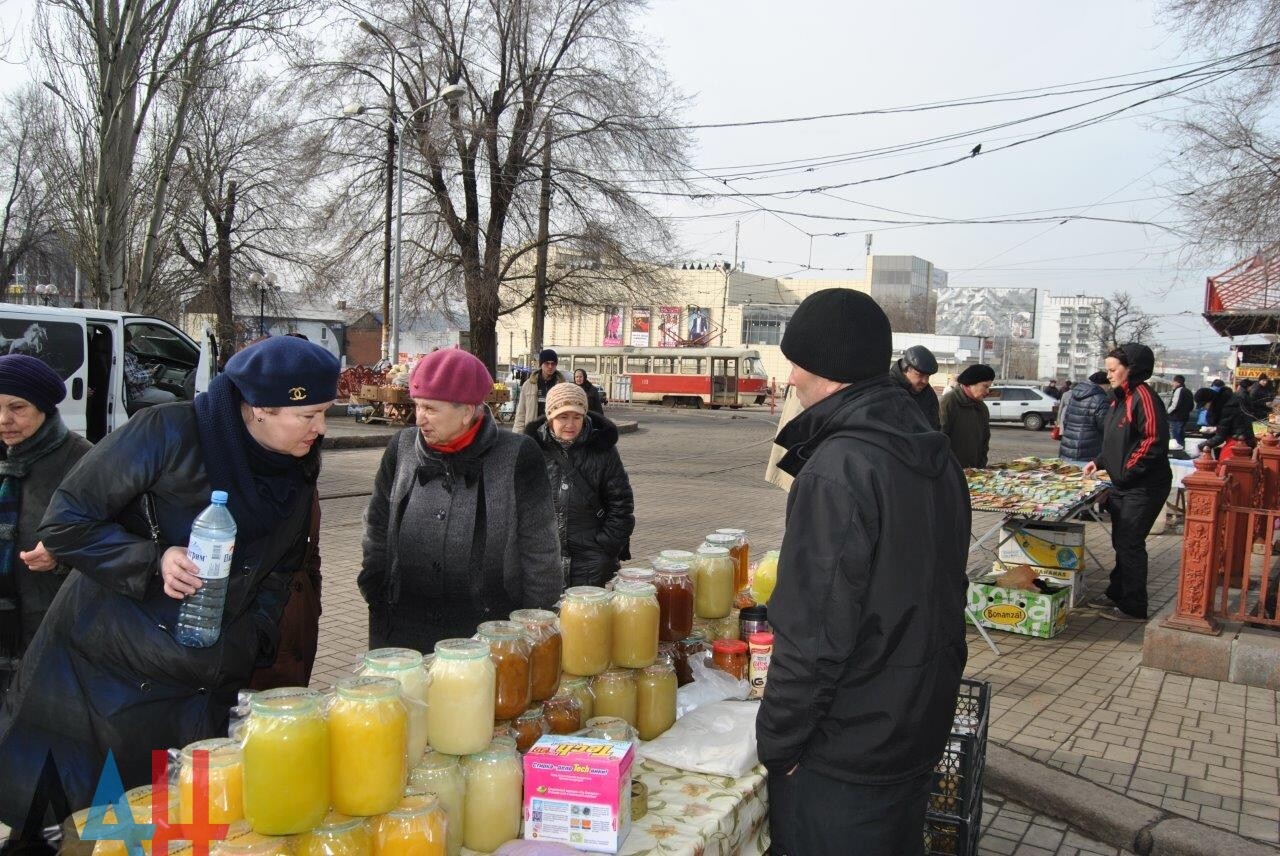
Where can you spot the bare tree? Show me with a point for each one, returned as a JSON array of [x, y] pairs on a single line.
[[472, 178], [120, 59], [1121, 321], [26, 222], [243, 173]]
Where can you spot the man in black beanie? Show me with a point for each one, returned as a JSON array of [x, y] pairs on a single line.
[[533, 392], [868, 614]]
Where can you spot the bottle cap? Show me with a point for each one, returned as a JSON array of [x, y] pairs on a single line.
[[729, 646], [760, 639], [753, 613], [219, 496]]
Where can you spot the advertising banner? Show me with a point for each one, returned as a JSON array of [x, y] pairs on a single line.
[[640, 320]]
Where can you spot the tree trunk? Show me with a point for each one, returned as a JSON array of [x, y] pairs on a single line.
[[540, 266], [482, 308], [223, 302]]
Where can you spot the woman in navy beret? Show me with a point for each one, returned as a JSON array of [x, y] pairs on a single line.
[[105, 672]]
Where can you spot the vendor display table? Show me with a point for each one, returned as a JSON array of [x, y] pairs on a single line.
[[1028, 491]]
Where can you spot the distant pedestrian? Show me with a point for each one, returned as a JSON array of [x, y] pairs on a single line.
[[1232, 423], [533, 393], [912, 372], [1135, 454], [965, 418], [1179, 409], [1260, 397], [1051, 390], [595, 508], [595, 402], [1081, 420]]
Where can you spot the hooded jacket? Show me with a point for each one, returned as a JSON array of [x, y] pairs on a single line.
[[1135, 442], [868, 614], [595, 508], [1234, 419], [926, 399], [1082, 418]]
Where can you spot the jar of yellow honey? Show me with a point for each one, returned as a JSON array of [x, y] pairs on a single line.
[[368, 735], [337, 835], [615, 694], [441, 775], [494, 798], [586, 630], [635, 625], [461, 691], [224, 771], [416, 827], [286, 762]]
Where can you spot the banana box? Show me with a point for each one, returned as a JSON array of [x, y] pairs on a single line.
[[1030, 613], [1072, 577], [1048, 545]]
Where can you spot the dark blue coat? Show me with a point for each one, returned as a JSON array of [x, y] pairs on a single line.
[[1081, 418], [103, 672]]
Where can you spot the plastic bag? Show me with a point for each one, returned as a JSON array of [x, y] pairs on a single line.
[[709, 685], [718, 738]]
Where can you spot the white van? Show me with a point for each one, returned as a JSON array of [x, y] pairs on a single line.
[[86, 348]]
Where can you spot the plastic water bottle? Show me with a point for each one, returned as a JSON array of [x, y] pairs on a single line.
[[213, 539]]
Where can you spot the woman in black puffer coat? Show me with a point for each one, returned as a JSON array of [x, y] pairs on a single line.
[[589, 486]]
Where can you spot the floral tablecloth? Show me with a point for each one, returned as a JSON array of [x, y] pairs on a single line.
[[693, 814]]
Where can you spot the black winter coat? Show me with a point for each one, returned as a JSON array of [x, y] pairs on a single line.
[[1135, 444], [967, 424], [926, 399], [1235, 421], [595, 403], [1081, 419], [595, 508], [868, 614], [103, 672]]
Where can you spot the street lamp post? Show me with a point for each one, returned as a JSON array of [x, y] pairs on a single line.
[[46, 292], [452, 92], [263, 284]]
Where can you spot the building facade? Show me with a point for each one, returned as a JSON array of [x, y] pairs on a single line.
[[1070, 336]]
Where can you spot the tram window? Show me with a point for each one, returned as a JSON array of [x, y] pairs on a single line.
[[587, 364], [731, 368], [638, 365], [664, 365]]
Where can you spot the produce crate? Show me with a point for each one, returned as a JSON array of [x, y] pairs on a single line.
[[954, 817], [395, 395]]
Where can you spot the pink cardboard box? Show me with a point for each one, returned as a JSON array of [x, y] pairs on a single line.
[[577, 791]]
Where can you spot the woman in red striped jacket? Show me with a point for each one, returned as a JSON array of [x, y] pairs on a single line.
[[1135, 454]]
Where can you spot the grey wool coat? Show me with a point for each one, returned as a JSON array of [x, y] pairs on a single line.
[[455, 539]]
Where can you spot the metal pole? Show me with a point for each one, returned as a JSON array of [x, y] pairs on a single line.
[[262, 310], [386, 228], [395, 285], [540, 265]]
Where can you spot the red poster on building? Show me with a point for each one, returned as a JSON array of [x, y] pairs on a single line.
[[668, 326]]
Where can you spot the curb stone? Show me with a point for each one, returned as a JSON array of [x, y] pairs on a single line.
[[1108, 815]]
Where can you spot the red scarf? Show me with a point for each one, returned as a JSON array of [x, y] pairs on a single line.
[[462, 441]]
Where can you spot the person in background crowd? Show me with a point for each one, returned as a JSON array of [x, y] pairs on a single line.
[[37, 452], [1179, 410], [912, 371], [1051, 390], [103, 672], [867, 660], [965, 418], [140, 382], [1135, 454], [533, 394], [460, 528], [1081, 420], [595, 403], [595, 508], [1232, 422], [1260, 396]]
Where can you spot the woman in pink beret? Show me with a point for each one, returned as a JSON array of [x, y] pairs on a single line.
[[460, 528]]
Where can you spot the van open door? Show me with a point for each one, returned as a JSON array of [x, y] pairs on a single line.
[[59, 340], [207, 365]]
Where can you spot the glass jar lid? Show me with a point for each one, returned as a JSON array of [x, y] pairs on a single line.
[[736, 533], [635, 589], [497, 631], [222, 751], [713, 551], [635, 575], [719, 539], [501, 749], [369, 688], [461, 649], [671, 569], [534, 712], [533, 616], [586, 594], [666, 566], [415, 803], [568, 681], [285, 701], [433, 761], [393, 659], [616, 675], [660, 666], [335, 822], [676, 555], [241, 840]]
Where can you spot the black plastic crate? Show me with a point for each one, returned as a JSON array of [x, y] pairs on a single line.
[[945, 835], [957, 787]]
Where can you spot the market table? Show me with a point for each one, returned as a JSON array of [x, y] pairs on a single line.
[[1027, 491]]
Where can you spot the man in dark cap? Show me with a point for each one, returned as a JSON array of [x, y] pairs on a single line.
[[867, 656], [965, 419], [533, 393], [912, 371], [1135, 454]]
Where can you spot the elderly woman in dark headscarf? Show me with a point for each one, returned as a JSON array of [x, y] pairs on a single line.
[[105, 671], [37, 452]]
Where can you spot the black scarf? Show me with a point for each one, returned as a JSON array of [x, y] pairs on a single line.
[[262, 486]]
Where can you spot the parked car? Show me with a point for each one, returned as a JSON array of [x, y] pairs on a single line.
[[1025, 404]]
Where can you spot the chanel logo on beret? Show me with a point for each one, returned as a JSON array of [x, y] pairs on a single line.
[[298, 393]]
